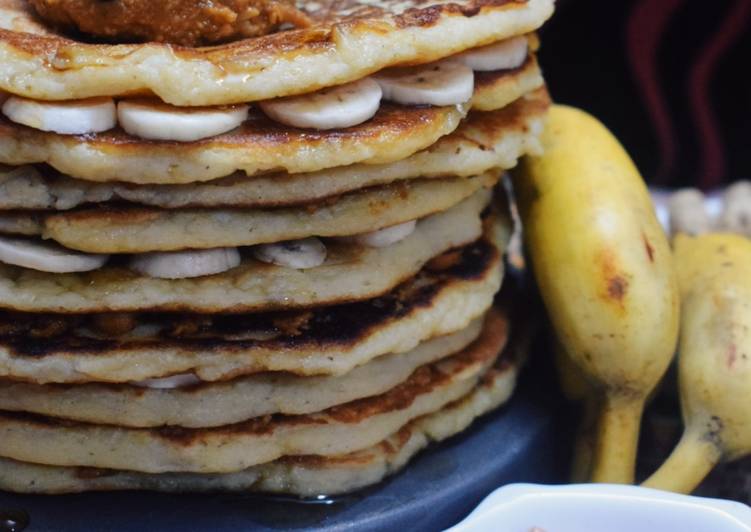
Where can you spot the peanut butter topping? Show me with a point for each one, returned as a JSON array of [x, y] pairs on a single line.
[[183, 22]]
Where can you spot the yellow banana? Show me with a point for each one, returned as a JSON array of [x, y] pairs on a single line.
[[577, 389], [714, 365], [604, 269]]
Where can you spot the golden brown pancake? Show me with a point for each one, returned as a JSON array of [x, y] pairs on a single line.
[[224, 403], [259, 146], [352, 272], [144, 229], [445, 297], [347, 41], [338, 430], [493, 89], [299, 475], [484, 140]]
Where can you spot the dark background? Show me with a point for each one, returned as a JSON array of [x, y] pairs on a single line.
[[671, 78]]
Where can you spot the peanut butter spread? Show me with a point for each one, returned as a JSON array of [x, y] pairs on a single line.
[[183, 22]]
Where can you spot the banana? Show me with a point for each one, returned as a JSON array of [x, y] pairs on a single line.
[[385, 237], [714, 365], [182, 380], [298, 254], [45, 257], [77, 117], [443, 83], [604, 268], [186, 264], [503, 55], [736, 213], [154, 120], [576, 388], [688, 213], [331, 108]]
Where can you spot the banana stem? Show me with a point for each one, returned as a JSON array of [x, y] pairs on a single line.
[[581, 467], [688, 464], [617, 440]]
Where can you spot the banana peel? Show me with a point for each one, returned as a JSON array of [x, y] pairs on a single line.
[[577, 389], [714, 366], [604, 269]]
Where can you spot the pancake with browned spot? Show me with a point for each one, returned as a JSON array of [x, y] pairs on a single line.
[[223, 403], [259, 145], [338, 430], [348, 41], [144, 229], [483, 141], [351, 272], [299, 475], [443, 298]]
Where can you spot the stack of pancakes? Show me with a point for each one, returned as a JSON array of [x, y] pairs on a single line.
[[267, 265]]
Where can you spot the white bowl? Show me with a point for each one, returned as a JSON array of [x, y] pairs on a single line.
[[602, 508]]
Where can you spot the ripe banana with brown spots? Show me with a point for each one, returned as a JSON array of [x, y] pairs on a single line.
[[605, 272]]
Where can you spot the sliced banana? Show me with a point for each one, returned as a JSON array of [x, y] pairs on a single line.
[[386, 236], [298, 254], [181, 380], [502, 55], [77, 117], [334, 107], [442, 83], [153, 120], [47, 257], [186, 264]]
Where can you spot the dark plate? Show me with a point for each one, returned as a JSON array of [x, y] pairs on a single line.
[[520, 442]]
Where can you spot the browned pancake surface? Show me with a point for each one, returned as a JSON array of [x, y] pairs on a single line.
[[348, 40]]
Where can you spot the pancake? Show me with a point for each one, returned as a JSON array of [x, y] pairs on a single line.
[[347, 41], [443, 298], [351, 272], [305, 476], [495, 90], [483, 141], [338, 430], [224, 403], [259, 145], [139, 230], [20, 223]]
